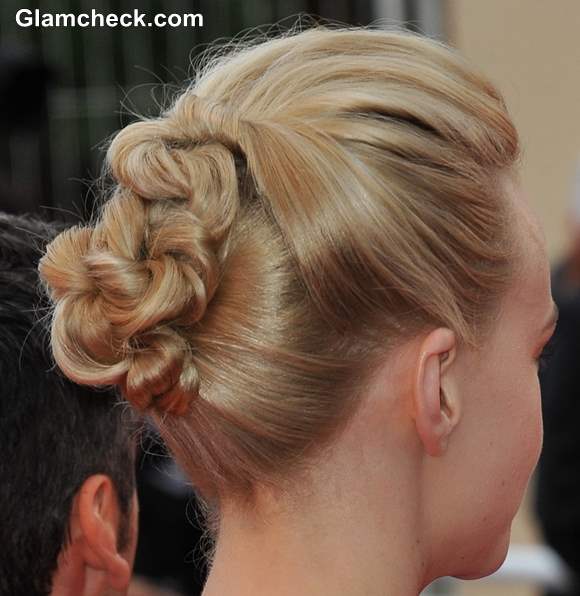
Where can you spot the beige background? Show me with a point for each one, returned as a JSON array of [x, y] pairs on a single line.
[[531, 50]]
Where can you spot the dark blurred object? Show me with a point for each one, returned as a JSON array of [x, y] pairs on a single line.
[[24, 169], [558, 480], [168, 551], [24, 82]]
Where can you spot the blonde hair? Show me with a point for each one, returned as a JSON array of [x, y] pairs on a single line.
[[304, 205]]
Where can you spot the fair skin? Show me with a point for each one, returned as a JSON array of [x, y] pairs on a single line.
[[91, 563], [427, 477]]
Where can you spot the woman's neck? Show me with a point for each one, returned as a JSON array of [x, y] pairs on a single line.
[[343, 538], [337, 552]]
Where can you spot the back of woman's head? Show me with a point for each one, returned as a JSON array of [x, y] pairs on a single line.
[[304, 205]]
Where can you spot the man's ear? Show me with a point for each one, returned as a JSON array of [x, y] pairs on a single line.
[[96, 522], [436, 405]]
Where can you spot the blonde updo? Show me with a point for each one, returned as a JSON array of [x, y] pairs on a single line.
[[306, 204]]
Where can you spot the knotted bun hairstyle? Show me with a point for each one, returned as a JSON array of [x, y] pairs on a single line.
[[149, 268], [303, 206]]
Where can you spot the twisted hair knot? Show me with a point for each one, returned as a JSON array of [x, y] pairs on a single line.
[[151, 265], [172, 157], [201, 118]]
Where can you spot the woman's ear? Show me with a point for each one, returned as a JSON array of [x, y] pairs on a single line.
[[97, 519], [436, 405]]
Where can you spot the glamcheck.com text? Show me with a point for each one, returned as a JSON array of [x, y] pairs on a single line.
[[26, 17]]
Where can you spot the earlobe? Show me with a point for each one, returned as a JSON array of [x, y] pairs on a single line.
[[99, 518], [436, 411]]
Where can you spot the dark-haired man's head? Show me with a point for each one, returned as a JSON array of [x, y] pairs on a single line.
[[67, 497]]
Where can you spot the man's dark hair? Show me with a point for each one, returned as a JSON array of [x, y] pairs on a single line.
[[53, 434]]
